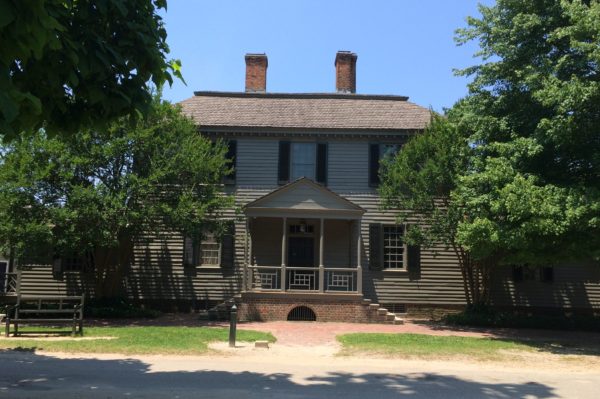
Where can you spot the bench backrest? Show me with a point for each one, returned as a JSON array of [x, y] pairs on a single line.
[[53, 303]]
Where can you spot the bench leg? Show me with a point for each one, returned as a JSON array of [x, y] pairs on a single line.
[[16, 331], [81, 327], [7, 331], [74, 329]]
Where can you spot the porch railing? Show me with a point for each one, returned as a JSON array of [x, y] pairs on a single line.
[[8, 283], [311, 279]]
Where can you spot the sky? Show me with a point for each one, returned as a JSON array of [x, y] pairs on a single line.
[[404, 47]]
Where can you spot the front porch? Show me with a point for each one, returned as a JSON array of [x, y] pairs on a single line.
[[304, 238], [303, 255]]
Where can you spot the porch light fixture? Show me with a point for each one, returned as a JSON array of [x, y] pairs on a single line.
[[302, 226]]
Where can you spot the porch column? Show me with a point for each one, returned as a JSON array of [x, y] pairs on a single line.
[[248, 254], [358, 260], [283, 254], [321, 252]]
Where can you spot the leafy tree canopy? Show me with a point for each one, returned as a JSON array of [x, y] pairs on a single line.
[[512, 173], [98, 191], [71, 64], [533, 192]]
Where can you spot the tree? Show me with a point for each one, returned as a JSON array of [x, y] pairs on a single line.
[[533, 192], [95, 193], [420, 180], [512, 175], [66, 65]]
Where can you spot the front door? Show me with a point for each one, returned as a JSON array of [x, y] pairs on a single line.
[[301, 252]]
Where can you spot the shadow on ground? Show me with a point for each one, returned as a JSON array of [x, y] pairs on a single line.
[[24, 374]]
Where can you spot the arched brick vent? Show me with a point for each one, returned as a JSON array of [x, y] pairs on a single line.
[[302, 313]]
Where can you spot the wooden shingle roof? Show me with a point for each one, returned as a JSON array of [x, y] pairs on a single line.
[[305, 111]]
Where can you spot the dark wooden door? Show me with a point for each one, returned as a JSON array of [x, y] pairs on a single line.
[[301, 252]]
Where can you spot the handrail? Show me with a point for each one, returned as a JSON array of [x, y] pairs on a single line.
[[333, 269]]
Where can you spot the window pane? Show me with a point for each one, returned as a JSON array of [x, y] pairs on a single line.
[[209, 251], [303, 160], [393, 247], [388, 150]]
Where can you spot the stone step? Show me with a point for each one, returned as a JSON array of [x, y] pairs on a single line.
[[398, 320], [366, 301], [390, 317], [374, 306], [382, 311]]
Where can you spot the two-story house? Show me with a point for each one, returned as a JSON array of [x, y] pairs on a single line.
[[311, 240]]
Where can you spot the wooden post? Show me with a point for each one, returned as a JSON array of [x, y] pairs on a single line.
[[283, 254], [358, 258], [321, 256], [247, 260]]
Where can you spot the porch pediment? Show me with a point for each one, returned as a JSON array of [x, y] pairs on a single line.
[[303, 197]]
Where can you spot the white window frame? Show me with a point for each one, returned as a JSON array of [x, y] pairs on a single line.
[[386, 262], [212, 241]]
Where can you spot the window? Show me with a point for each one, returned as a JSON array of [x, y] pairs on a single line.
[[298, 160], [393, 247], [209, 251], [377, 152], [71, 262], [212, 250], [388, 150], [232, 156], [303, 160], [526, 272], [302, 228]]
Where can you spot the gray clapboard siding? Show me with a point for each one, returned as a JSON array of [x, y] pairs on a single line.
[[257, 162], [574, 286], [348, 166]]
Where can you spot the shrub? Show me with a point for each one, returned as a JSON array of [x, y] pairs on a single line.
[[486, 317], [117, 308]]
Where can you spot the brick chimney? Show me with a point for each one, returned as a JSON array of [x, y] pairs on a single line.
[[256, 73], [345, 72]]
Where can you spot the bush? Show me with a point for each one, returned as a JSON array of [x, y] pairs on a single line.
[[117, 308], [486, 317]]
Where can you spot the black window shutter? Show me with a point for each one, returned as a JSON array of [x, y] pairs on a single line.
[[228, 246], [375, 246], [284, 162], [57, 267], [547, 274], [231, 155], [322, 159], [517, 273], [190, 254], [373, 165], [414, 262]]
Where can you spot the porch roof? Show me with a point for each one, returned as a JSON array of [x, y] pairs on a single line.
[[304, 198]]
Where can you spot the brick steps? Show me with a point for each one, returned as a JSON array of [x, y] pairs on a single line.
[[380, 315]]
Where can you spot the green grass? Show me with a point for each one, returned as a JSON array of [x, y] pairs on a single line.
[[135, 340], [427, 346]]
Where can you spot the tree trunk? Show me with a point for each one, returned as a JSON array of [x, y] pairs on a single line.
[[476, 277]]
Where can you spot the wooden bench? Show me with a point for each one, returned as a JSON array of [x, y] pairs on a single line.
[[38, 310]]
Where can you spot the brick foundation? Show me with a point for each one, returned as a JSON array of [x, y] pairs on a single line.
[[269, 307]]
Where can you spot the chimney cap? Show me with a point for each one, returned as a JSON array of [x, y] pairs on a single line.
[[345, 55], [257, 56]]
